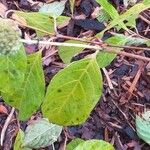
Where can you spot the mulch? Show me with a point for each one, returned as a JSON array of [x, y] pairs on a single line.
[[113, 118]]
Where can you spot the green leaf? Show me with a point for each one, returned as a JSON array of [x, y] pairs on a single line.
[[111, 11], [33, 89], [108, 8], [73, 93], [143, 126], [129, 40], [146, 2], [103, 16], [62, 19], [74, 143], [72, 2], [54, 9], [135, 10], [131, 22], [12, 71], [148, 43], [94, 145], [66, 53], [41, 133], [103, 58], [30, 95], [19, 141], [38, 21]]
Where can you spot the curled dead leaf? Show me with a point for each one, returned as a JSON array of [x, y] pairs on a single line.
[[3, 9], [3, 109], [19, 20]]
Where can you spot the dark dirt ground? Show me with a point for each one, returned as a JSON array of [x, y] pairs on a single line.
[[113, 119]]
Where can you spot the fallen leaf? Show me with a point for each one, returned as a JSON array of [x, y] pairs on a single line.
[[3, 109]]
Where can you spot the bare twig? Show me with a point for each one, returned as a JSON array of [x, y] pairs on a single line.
[[124, 115], [108, 78], [118, 142], [61, 44], [136, 78], [130, 55], [6, 125], [95, 47], [86, 40], [144, 19]]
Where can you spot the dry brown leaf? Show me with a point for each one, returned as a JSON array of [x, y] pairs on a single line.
[[19, 20], [3, 9], [3, 109]]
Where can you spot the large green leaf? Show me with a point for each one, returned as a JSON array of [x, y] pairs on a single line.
[[41, 133], [12, 57], [33, 89], [66, 53], [94, 145], [19, 141], [29, 97], [74, 143], [146, 2], [38, 21], [12, 70], [53, 9], [73, 93]]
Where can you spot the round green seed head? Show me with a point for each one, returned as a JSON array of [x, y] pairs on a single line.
[[9, 38]]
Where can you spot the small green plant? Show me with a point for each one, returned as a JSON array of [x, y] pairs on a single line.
[[74, 91]]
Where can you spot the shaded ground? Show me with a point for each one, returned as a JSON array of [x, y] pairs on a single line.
[[113, 119]]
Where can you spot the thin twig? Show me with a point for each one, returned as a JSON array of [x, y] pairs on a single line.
[[130, 47], [60, 44], [65, 142], [95, 47], [144, 19], [130, 55], [86, 40], [108, 78], [136, 78], [123, 114], [53, 147], [6, 125]]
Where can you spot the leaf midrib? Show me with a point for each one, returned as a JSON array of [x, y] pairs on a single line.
[[78, 82], [27, 79], [31, 139]]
